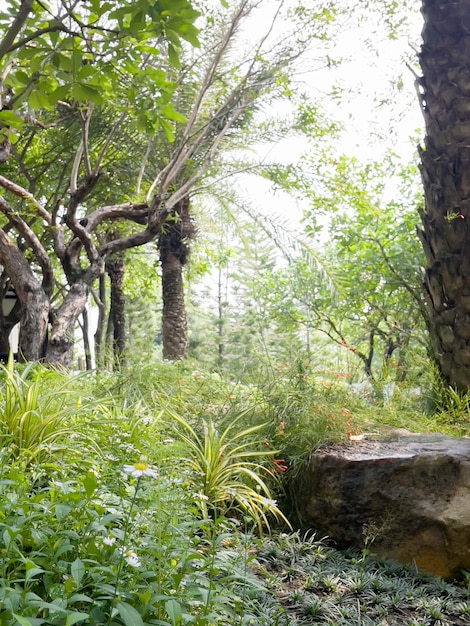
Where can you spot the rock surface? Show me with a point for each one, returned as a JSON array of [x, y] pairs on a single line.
[[407, 499]]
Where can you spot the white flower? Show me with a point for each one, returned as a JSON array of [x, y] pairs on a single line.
[[109, 541], [140, 469], [269, 503], [200, 496], [131, 558]]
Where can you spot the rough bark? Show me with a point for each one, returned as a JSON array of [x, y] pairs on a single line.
[[173, 248], [33, 300], [445, 167], [174, 320], [115, 270], [60, 346]]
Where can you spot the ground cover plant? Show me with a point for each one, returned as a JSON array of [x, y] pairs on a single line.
[[151, 497]]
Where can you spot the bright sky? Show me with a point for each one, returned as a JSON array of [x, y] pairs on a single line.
[[376, 115]]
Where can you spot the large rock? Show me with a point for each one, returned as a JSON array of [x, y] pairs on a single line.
[[407, 499]]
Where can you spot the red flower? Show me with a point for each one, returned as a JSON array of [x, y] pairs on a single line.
[[280, 465]]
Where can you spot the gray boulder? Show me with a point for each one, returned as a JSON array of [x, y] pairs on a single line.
[[407, 499]]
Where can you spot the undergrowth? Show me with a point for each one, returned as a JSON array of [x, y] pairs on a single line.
[[140, 498]]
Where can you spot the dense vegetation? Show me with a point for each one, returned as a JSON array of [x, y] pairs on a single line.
[[222, 342], [148, 497]]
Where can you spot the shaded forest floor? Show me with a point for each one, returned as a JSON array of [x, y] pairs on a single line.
[[313, 583]]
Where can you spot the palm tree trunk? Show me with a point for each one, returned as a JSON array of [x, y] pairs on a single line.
[[173, 245], [445, 168], [174, 320]]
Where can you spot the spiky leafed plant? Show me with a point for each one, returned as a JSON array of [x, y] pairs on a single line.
[[226, 468], [445, 165], [38, 410]]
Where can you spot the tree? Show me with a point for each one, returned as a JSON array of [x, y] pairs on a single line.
[[220, 97], [445, 168], [365, 295], [98, 84], [62, 71]]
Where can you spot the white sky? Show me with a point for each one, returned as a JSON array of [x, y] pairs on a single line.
[[375, 114]]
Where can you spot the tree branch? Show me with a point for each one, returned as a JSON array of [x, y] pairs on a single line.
[[113, 130], [168, 174], [33, 242], [18, 23], [25, 195], [157, 215]]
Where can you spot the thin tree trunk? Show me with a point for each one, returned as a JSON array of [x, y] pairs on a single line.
[[98, 337], [115, 270], [86, 340], [220, 320], [108, 344], [445, 168]]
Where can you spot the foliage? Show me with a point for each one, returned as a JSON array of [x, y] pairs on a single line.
[[117, 536], [369, 302], [39, 412], [223, 469], [343, 588]]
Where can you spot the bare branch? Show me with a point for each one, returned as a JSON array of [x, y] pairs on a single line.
[[25, 195], [158, 213], [18, 23], [169, 173], [142, 167], [33, 242], [137, 213], [112, 132], [75, 168], [86, 118], [38, 33]]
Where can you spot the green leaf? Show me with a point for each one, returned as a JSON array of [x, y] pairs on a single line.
[[77, 570], [38, 100], [22, 77], [129, 615], [84, 93], [61, 510], [23, 621], [173, 56], [90, 483], [169, 112], [173, 609], [74, 618], [9, 118], [168, 130], [31, 572]]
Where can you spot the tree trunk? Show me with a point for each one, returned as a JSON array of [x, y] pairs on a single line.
[[98, 337], [174, 320], [10, 313], [220, 320], [60, 346], [115, 270], [86, 340], [34, 301], [173, 245], [445, 170]]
